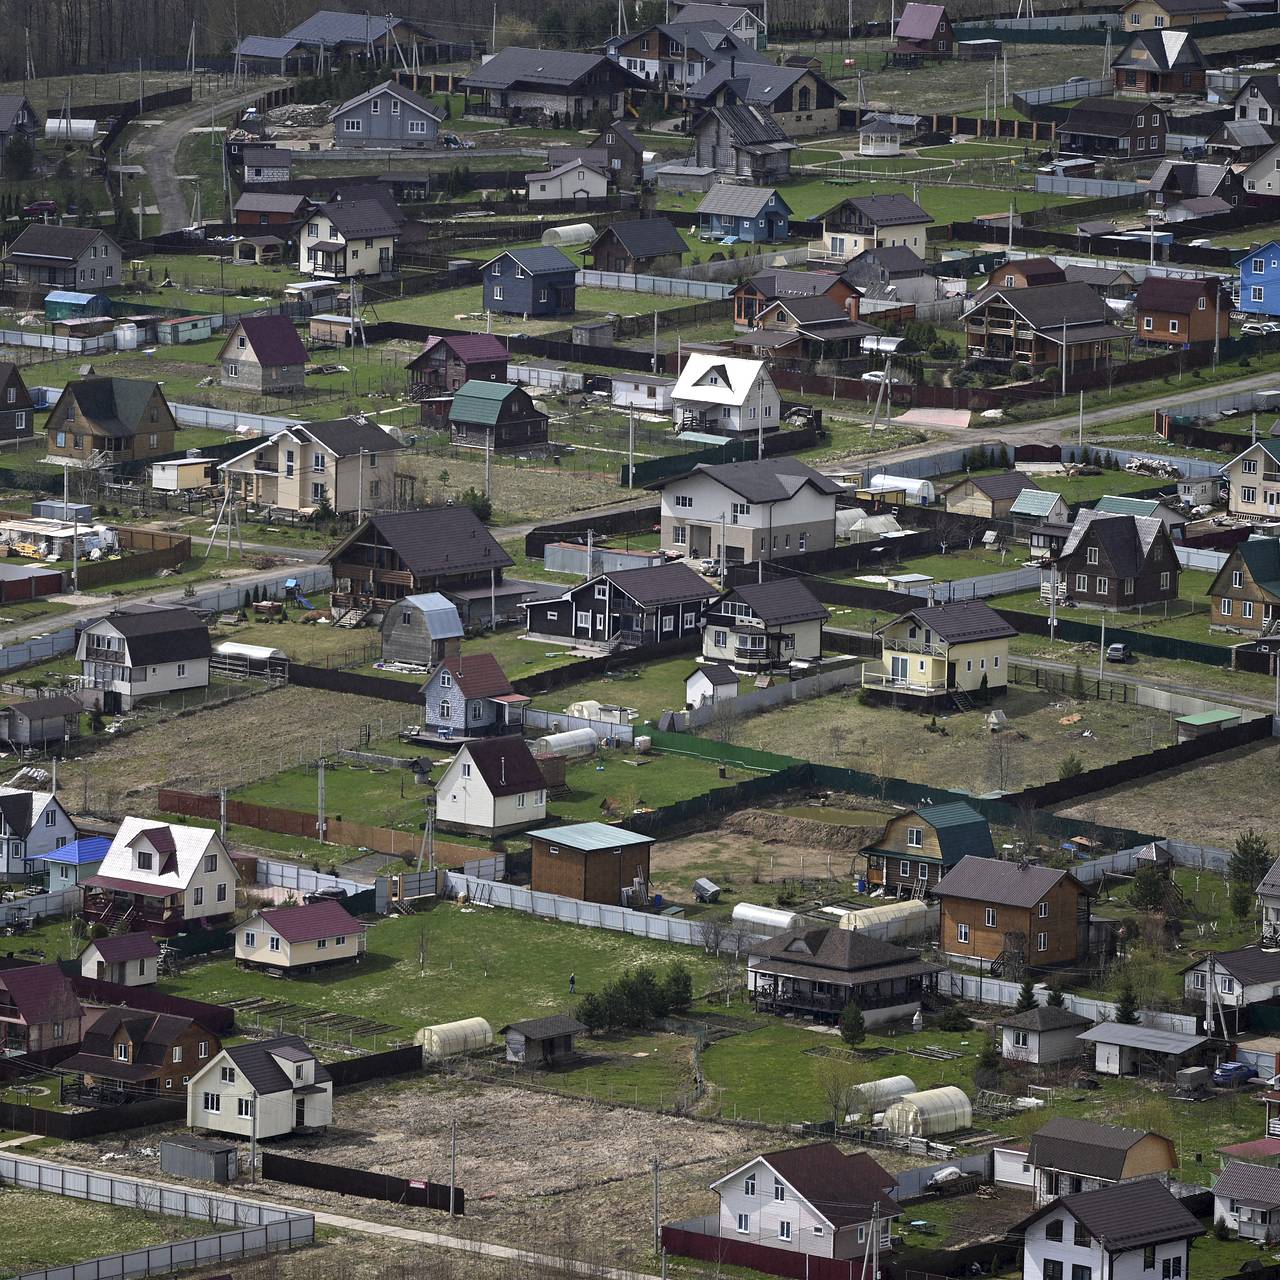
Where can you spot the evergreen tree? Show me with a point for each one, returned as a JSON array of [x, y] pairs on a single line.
[[1149, 890], [1026, 997], [1127, 1006], [1056, 999], [1251, 859], [853, 1027]]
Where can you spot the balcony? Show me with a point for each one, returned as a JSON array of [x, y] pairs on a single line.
[[817, 251], [897, 645]]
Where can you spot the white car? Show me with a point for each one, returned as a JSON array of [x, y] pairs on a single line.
[[879, 375], [1258, 328]]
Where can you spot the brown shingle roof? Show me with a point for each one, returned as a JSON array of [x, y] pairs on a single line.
[[843, 1188], [1001, 884], [478, 675], [273, 340]]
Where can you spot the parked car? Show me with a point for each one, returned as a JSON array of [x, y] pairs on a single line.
[[38, 208], [452, 142], [879, 375], [325, 895], [709, 565], [1259, 328], [1118, 653], [1232, 1074]]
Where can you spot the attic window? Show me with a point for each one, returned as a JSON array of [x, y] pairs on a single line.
[[144, 859]]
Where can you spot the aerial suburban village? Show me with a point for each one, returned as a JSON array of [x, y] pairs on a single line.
[[640, 641]]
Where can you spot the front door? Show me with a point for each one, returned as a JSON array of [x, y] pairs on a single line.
[[898, 667], [951, 675], [299, 1113]]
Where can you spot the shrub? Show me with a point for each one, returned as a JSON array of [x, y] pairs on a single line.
[[1127, 1006], [954, 1018], [1070, 767]]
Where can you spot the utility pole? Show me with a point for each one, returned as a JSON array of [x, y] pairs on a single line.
[[222, 813], [760, 415], [1080, 422], [453, 1165], [253, 1136], [723, 556], [1064, 356], [493, 41], [359, 487], [631, 444], [1102, 650], [488, 462], [320, 824], [657, 1228], [1217, 316]]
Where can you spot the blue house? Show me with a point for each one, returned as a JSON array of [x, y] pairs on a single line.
[[757, 215], [530, 282], [74, 863], [1260, 280]]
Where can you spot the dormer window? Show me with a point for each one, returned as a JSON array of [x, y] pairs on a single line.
[[144, 859]]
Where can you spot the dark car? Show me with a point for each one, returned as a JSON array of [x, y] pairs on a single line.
[[38, 208], [325, 895], [1232, 1074]]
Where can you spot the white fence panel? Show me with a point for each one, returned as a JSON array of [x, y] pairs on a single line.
[[704, 290], [1052, 184], [985, 585], [1055, 22], [38, 906], [558, 722], [37, 649], [536, 375], [289, 875], [778, 694], [1201, 558], [199, 415]]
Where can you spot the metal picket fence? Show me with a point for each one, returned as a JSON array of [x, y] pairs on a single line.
[[985, 585]]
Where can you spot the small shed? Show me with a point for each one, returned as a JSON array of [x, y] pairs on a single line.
[[184, 329], [1123, 1050], [543, 1042], [1041, 1036], [178, 475], [592, 862], [68, 304], [332, 328], [205, 1161], [41, 722], [1204, 723], [686, 177], [711, 682]]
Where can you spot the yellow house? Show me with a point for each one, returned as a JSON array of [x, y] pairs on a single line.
[[348, 238], [295, 939], [1253, 481], [1149, 15], [938, 655]]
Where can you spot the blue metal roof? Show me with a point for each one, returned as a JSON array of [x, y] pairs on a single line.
[[592, 835], [441, 614], [66, 295], [78, 852]]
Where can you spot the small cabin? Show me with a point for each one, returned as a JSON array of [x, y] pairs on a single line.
[[543, 1042]]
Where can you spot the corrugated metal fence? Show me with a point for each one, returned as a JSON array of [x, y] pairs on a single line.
[[1069, 92], [199, 415], [987, 584], [289, 875], [669, 285], [39, 905], [37, 649], [1050, 184], [558, 722]]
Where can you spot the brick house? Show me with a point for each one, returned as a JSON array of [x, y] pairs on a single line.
[[1117, 127], [1001, 916], [444, 364], [917, 848], [1245, 592], [591, 862], [1117, 561], [1181, 312], [126, 419], [135, 1051]]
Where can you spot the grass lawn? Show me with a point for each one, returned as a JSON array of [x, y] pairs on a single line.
[[971, 151], [961, 564], [613, 785], [847, 438], [649, 689], [651, 1069], [517, 656], [498, 965], [26, 610], [309, 642], [46, 941]]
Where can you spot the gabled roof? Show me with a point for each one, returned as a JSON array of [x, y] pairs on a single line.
[[266, 46], [598, 167], [41, 993], [478, 675], [1044, 1017], [1004, 484], [749, 127], [1187, 178], [1103, 117], [1073, 1145], [267, 158], [1034, 502], [470, 348], [550, 69], [270, 202], [1166, 293], [539, 260], [1001, 884], [715, 673], [326, 919], [842, 1189], [122, 947], [346, 437], [179, 849], [505, 764], [765, 480], [781, 601], [784, 283], [1121, 504], [273, 339], [753, 83], [1268, 87], [17, 809], [1250, 966], [1261, 556], [919, 21], [883, 211], [645, 238], [1128, 1215], [548, 1028], [159, 633], [1046, 306], [49, 240], [116, 405], [85, 850], [962, 622], [1161, 50], [1127, 540], [710, 378], [1253, 1184], [392, 89], [439, 540], [440, 612], [653, 585], [480, 403], [332, 26], [151, 1036], [360, 219], [263, 1072], [895, 259]]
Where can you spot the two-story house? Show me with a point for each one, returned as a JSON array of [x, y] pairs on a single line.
[[625, 608], [264, 1089], [1118, 128], [1260, 176], [1115, 562], [422, 630], [1137, 15], [289, 940], [917, 848], [1253, 481], [1069, 1154], [546, 83], [1260, 280], [744, 512], [1133, 1229], [445, 363], [647, 246], [1160, 61], [32, 824], [143, 651], [924, 33], [744, 140], [348, 238], [496, 415], [941, 655], [1002, 916], [893, 273], [1033, 326], [1180, 313], [860, 223], [753, 295], [530, 282], [470, 696], [254, 210], [17, 409], [389, 116], [491, 787], [1245, 593], [614, 148], [745, 18], [726, 395], [1225, 983], [751, 214], [138, 1053], [18, 119], [800, 100], [80, 258], [163, 878], [679, 54], [264, 354], [39, 1012], [347, 466], [764, 626], [115, 419]]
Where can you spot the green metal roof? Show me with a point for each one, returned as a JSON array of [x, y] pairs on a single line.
[[480, 402], [1262, 558], [1034, 502], [1117, 505], [1209, 717], [591, 835]]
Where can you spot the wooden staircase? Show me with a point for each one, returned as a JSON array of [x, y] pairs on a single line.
[[962, 700], [352, 617]]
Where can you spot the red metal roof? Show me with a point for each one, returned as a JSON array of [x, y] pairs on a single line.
[[315, 920], [132, 886]]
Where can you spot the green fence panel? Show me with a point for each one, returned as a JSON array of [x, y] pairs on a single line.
[[721, 752]]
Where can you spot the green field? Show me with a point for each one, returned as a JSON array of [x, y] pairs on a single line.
[[612, 784], [650, 689]]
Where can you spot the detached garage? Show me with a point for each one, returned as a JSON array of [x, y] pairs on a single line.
[[1122, 1050]]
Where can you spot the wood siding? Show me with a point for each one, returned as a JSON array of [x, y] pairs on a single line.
[[987, 941]]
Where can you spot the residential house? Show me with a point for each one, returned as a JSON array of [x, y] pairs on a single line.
[[40, 1016], [745, 512], [1259, 280], [1039, 506], [1124, 1050], [870, 222], [577, 180], [349, 238], [496, 415], [764, 626], [1121, 504], [289, 940], [1245, 593], [270, 209], [742, 140], [941, 655], [17, 409], [126, 959], [115, 419], [1116, 562], [17, 120], [32, 824], [800, 100], [328, 39], [1239, 143], [548, 83], [73, 863], [1160, 60], [813, 1200], [1246, 1200], [1257, 100], [726, 395], [264, 354], [751, 296], [347, 466], [1253, 481], [142, 651], [162, 878], [134, 1052], [681, 53], [1181, 312], [592, 862], [1026, 273], [469, 696], [1119, 128], [1269, 900], [408, 553], [625, 608], [1137, 15], [917, 848], [894, 274], [1106, 282], [1260, 176], [265, 164], [444, 364], [1183, 190], [924, 33], [530, 282], [1133, 1229], [264, 1089], [814, 973], [750, 214], [745, 18], [647, 246], [45, 253], [389, 116], [543, 1042], [1041, 1037], [710, 683], [1002, 916], [987, 497], [614, 148], [1032, 326], [1069, 1155], [1226, 983], [491, 787], [422, 630]]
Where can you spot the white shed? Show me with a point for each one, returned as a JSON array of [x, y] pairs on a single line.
[[709, 683], [929, 1113], [1041, 1035]]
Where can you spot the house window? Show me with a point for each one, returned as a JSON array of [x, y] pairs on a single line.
[[1149, 1258], [1080, 1272], [244, 1108], [784, 1231], [1249, 466], [1164, 583], [1148, 323], [353, 125], [922, 871], [602, 590], [122, 1052], [1227, 984], [1170, 1269], [1021, 1039], [1128, 585], [198, 895], [1197, 980], [744, 1223], [1082, 582], [683, 500], [144, 859], [1246, 609], [1259, 266], [221, 893], [1091, 556], [989, 917], [904, 869], [466, 769], [228, 1075], [583, 618], [1104, 585], [1248, 494], [1237, 578], [1042, 942], [204, 1049], [915, 837], [1052, 1269], [1043, 910], [211, 862], [1053, 1230], [779, 1189], [962, 933], [1224, 608], [446, 709], [177, 1053], [322, 944], [1173, 326], [1201, 304], [497, 293], [213, 1102], [274, 943]]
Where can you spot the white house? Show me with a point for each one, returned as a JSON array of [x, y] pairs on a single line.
[[726, 395], [754, 510], [296, 939], [811, 1200], [1246, 1199], [32, 824], [1131, 1231], [1226, 982], [1262, 176], [1253, 477], [648, 392], [576, 180], [710, 683], [1041, 1035], [127, 959], [493, 785], [763, 626], [279, 1080], [143, 651], [162, 876], [348, 238]]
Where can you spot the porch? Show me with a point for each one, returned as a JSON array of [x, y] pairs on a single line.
[[128, 907]]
